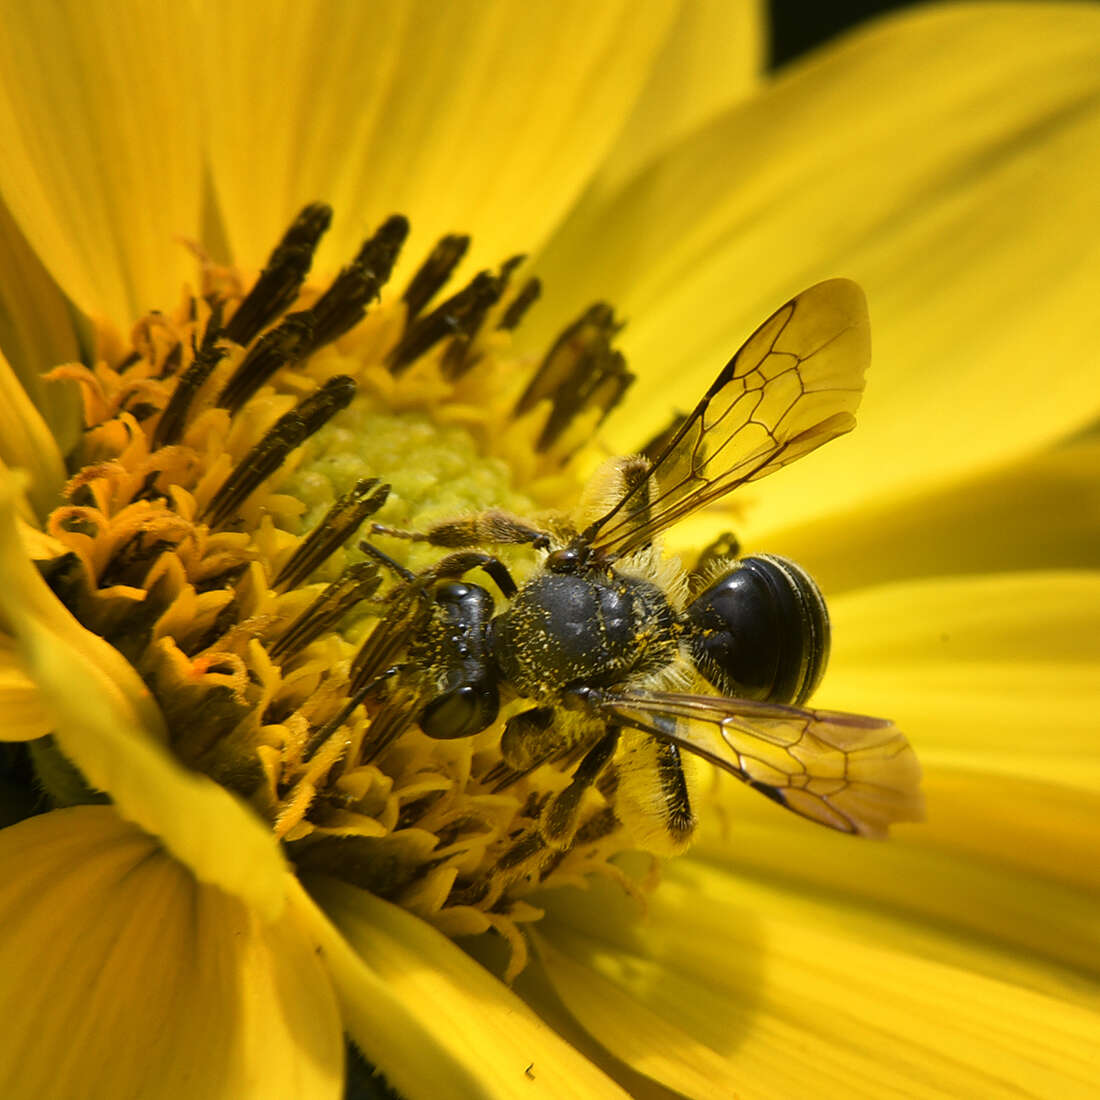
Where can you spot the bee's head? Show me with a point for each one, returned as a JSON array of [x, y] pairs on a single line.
[[570, 559]]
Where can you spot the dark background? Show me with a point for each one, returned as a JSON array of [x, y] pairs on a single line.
[[799, 25]]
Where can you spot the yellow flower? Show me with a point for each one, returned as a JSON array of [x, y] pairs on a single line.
[[161, 945]]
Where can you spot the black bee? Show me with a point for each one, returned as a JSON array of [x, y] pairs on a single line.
[[610, 650]]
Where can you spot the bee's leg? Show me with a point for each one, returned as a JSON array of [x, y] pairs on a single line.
[[453, 565], [559, 819], [498, 571], [654, 794], [529, 739], [484, 529]]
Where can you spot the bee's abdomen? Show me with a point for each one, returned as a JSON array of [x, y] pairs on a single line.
[[563, 630]]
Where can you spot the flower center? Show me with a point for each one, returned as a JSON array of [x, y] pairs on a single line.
[[234, 457]]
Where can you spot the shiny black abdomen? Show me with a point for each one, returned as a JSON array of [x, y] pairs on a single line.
[[567, 629], [761, 631]]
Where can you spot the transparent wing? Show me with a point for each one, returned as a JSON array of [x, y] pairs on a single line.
[[794, 385], [848, 771]]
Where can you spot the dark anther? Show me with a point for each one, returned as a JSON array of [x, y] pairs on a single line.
[[172, 361], [433, 273], [288, 432], [280, 347], [404, 619], [459, 316], [508, 269], [458, 359], [656, 445], [141, 410], [132, 560], [526, 848], [340, 523], [207, 356], [520, 304], [388, 718], [379, 252], [282, 278], [345, 302], [484, 294], [339, 309], [602, 388], [580, 371], [389, 723], [358, 582]]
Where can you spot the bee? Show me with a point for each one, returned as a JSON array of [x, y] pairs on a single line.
[[618, 663]]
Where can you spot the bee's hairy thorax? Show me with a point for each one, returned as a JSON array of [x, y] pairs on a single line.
[[594, 628]]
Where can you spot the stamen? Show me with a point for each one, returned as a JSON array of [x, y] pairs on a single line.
[[394, 719], [282, 278], [282, 346], [384, 643], [339, 309], [207, 356], [344, 304], [520, 304], [460, 315], [339, 524], [289, 431], [458, 359], [580, 371], [321, 734], [358, 582], [172, 361], [433, 273]]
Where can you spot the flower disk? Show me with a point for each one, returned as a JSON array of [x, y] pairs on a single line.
[[211, 533]]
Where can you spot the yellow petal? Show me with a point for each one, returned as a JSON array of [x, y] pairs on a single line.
[[26, 601], [536, 989], [1040, 513], [99, 127], [461, 1032], [1019, 886], [946, 161], [106, 722], [27, 443], [124, 977], [37, 330], [712, 59], [480, 117], [20, 702], [810, 995], [652, 1045], [994, 674]]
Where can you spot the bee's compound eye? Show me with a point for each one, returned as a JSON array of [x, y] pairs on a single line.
[[460, 712], [761, 631]]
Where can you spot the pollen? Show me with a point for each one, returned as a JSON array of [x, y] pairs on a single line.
[[229, 527]]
